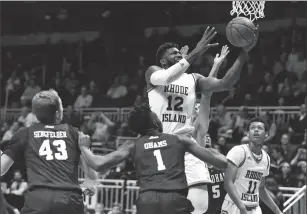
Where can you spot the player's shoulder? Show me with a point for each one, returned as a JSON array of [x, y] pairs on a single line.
[[238, 151], [21, 133], [151, 69]]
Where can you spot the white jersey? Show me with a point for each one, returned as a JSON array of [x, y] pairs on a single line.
[[250, 172], [174, 104]]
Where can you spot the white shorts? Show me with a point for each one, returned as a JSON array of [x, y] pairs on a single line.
[[196, 170], [229, 207]]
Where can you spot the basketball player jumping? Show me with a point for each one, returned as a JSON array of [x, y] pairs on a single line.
[[172, 96], [51, 153], [213, 201], [248, 165], [159, 163]]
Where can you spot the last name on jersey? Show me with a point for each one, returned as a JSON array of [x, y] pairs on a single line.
[[155, 145], [217, 177], [50, 134]]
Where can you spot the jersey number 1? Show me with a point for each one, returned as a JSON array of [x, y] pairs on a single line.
[[157, 154], [45, 150]]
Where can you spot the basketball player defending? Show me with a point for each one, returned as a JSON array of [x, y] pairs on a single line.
[[159, 163], [248, 165], [172, 96], [51, 153]]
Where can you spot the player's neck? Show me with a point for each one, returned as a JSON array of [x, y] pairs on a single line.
[[152, 132], [255, 149]]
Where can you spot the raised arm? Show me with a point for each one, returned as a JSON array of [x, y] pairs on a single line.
[[158, 76], [210, 156]]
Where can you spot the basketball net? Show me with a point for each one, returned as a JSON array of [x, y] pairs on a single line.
[[253, 9]]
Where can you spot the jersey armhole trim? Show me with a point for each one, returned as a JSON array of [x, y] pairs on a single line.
[[267, 156], [241, 164], [152, 87], [194, 77]]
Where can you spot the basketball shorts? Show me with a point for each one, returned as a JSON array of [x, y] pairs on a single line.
[[49, 201], [196, 171], [156, 202], [229, 207]]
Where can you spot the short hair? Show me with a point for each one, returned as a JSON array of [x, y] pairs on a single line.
[[139, 118], [258, 119], [163, 48], [45, 104]]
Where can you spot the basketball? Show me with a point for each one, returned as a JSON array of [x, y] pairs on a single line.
[[240, 32]]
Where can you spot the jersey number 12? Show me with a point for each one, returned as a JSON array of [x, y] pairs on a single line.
[[157, 154], [45, 150]]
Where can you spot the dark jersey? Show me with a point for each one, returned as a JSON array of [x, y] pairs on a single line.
[[216, 191], [51, 154], [159, 163]]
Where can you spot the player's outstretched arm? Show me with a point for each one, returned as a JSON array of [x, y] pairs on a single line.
[[211, 84], [89, 172], [209, 156], [103, 163], [6, 163], [155, 75], [266, 198]]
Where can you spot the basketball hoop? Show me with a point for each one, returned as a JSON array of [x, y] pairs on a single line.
[[253, 9]]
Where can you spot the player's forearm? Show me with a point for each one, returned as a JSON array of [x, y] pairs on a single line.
[[204, 112], [266, 198], [232, 192], [233, 74], [165, 77], [211, 157], [215, 68]]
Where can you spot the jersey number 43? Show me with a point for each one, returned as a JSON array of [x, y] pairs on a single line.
[[60, 145]]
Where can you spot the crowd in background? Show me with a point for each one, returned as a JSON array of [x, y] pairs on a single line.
[[275, 75]]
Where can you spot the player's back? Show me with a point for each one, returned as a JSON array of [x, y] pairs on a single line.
[[216, 190], [174, 104], [159, 163], [52, 156]]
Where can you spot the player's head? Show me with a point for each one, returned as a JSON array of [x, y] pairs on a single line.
[[257, 131], [168, 54], [47, 106], [142, 119]]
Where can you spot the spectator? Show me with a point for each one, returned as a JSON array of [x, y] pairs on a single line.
[[285, 178], [101, 127], [302, 175], [30, 91], [240, 122], [278, 157], [301, 155], [24, 113], [18, 185], [84, 100], [99, 209], [298, 123], [116, 209], [286, 147], [232, 99], [93, 90], [10, 132], [275, 193], [117, 89], [223, 119], [299, 67], [30, 119], [72, 117]]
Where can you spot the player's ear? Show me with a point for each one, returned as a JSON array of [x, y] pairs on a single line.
[[163, 62], [266, 134]]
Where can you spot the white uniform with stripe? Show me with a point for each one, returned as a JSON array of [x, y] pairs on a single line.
[[174, 105], [248, 178]]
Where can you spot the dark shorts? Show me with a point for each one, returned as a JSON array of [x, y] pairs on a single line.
[[156, 202], [49, 201]]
